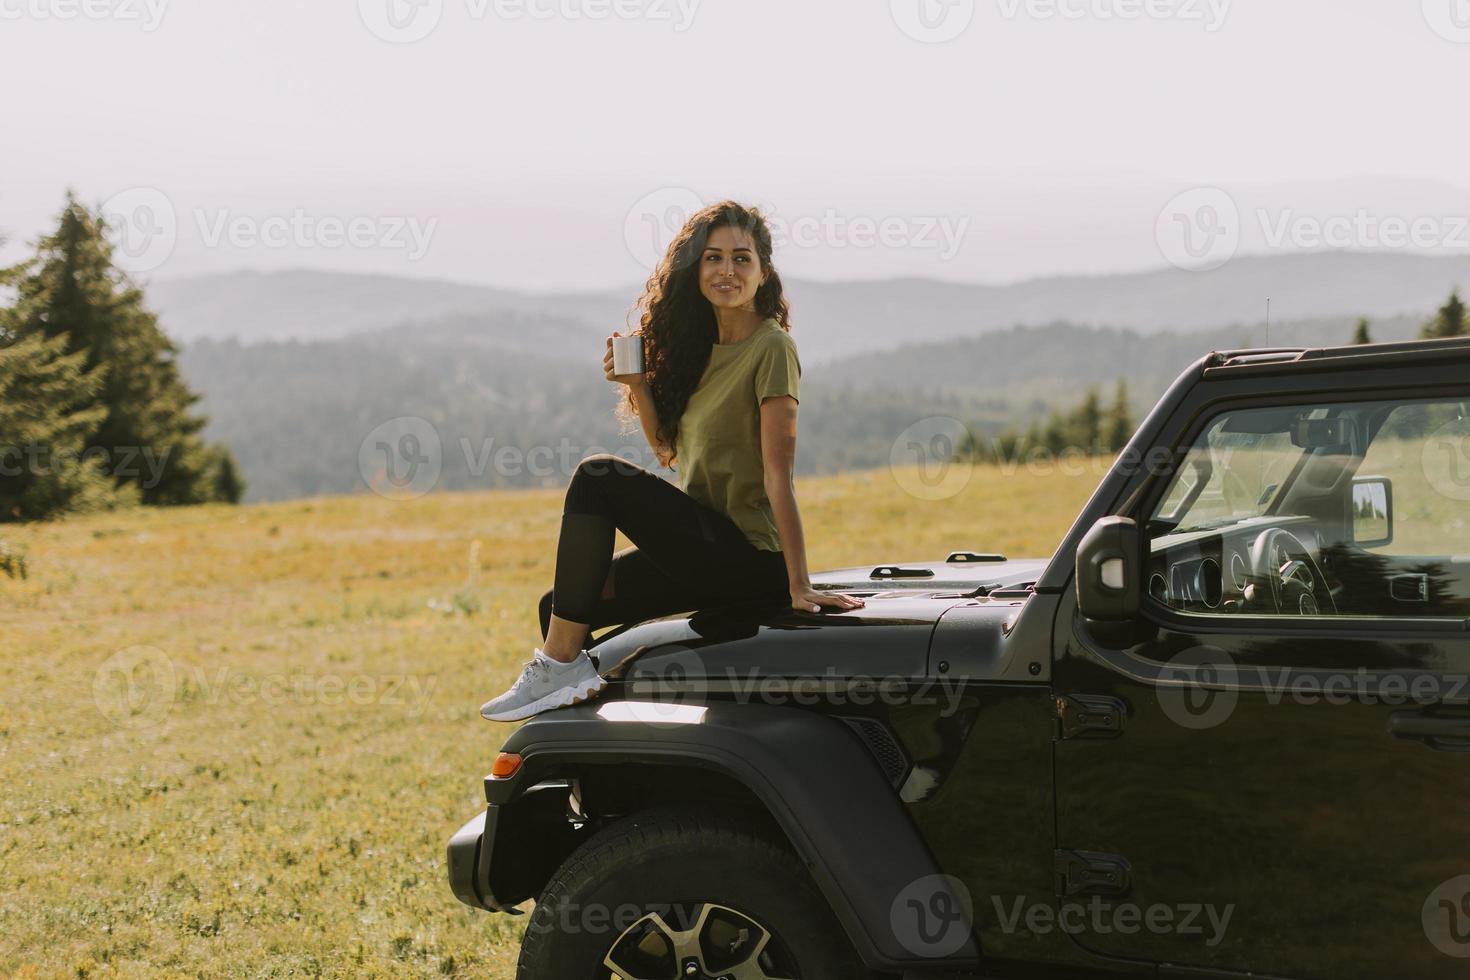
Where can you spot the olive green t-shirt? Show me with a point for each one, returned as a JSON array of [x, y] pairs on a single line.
[[719, 448]]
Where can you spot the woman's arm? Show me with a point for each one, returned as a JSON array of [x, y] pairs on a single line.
[[778, 455], [648, 417], [642, 403]]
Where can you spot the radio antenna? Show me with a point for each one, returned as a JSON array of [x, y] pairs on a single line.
[[1268, 321]]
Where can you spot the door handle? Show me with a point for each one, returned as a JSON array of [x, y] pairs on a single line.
[[1448, 733]]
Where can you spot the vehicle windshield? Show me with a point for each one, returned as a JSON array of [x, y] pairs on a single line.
[[1233, 473]]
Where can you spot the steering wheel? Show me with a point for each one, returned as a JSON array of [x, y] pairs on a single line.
[[1295, 579]]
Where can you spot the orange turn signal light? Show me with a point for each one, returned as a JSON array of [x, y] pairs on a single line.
[[506, 765]]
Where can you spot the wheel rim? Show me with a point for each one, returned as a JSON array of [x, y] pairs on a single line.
[[719, 944]]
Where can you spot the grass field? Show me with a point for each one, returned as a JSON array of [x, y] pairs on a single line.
[[273, 796]]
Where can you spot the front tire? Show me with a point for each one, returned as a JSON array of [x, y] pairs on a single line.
[[684, 896]]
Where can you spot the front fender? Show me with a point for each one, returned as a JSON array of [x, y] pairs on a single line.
[[812, 773]]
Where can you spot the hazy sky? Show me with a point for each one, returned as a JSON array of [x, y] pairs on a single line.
[[540, 144]]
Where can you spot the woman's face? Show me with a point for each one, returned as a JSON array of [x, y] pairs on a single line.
[[730, 270]]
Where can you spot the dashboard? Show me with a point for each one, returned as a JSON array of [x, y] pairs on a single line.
[[1211, 570]]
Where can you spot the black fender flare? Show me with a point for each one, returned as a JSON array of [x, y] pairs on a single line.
[[812, 773]]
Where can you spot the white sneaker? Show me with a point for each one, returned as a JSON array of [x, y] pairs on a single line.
[[545, 684]]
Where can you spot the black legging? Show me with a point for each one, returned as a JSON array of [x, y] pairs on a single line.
[[685, 556]]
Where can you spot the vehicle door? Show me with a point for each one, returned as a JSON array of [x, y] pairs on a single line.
[[1284, 787]]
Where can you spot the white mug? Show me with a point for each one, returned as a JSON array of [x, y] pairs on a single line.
[[628, 354]]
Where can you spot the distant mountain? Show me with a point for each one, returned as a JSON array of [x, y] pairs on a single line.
[[308, 305], [1057, 358], [302, 417], [514, 401], [1327, 285], [508, 333], [831, 320]]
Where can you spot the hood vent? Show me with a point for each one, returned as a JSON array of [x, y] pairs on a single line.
[[898, 571], [968, 557]]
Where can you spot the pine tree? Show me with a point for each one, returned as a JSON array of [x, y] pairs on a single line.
[[1449, 321], [148, 436], [1087, 423], [229, 486], [1361, 335], [1056, 436], [47, 409], [1120, 424]]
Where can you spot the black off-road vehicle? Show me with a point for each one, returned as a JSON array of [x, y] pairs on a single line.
[[1222, 732]]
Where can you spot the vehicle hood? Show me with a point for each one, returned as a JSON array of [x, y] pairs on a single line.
[[889, 637]]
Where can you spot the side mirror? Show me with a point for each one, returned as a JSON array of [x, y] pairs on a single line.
[[1372, 511], [1108, 571]]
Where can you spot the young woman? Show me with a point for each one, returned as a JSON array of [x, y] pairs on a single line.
[[717, 401]]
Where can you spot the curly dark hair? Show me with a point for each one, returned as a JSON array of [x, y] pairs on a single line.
[[678, 323]]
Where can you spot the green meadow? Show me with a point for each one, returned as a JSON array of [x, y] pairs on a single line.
[[236, 739]]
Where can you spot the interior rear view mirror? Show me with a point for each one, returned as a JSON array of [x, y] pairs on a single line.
[[1307, 433]]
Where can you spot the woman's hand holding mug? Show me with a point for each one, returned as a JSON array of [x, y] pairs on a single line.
[[625, 352]]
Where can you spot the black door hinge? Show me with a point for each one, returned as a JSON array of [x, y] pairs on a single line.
[[1089, 716], [1091, 873]]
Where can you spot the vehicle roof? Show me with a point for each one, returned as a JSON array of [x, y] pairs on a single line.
[[1273, 360]]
